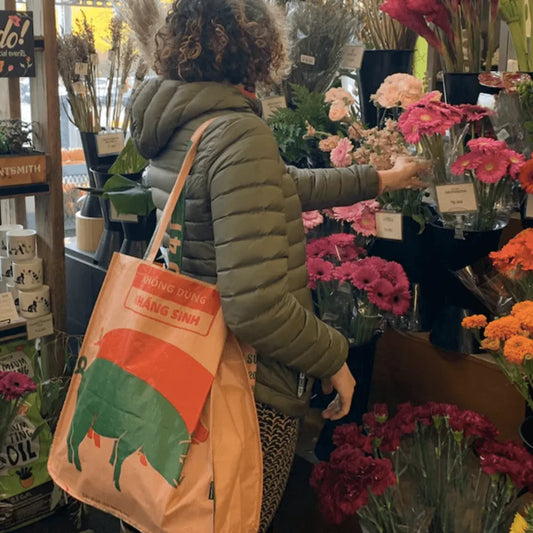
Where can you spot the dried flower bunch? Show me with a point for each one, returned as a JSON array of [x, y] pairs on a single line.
[[381, 32], [430, 468], [509, 341], [92, 109], [14, 387]]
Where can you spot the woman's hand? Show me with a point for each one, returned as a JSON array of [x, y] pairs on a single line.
[[344, 383], [403, 175]]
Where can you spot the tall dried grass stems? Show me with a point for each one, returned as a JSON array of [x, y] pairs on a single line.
[[83, 92], [144, 18], [379, 31]]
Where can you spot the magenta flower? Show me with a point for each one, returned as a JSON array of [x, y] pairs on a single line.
[[400, 300], [319, 270], [14, 385], [380, 293], [311, 219], [363, 277], [341, 155]]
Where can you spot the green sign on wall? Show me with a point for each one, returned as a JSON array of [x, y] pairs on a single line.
[[16, 44]]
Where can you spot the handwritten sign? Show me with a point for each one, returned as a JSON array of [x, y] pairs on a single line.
[[16, 44], [271, 104], [389, 225], [307, 60], [459, 198], [109, 143], [353, 57]]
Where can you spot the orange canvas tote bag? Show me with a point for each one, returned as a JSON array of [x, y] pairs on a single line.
[[159, 427]]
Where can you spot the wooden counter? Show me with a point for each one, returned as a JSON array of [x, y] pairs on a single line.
[[408, 368]]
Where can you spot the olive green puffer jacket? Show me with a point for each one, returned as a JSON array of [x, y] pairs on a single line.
[[243, 227]]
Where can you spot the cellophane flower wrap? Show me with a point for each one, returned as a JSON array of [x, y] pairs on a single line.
[[509, 339], [353, 293], [14, 387], [430, 468]]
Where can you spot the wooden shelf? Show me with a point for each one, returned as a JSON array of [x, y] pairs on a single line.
[[32, 189]]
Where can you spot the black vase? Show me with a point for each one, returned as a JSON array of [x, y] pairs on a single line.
[[90, 151], [113, 235], [137, 235], [376, 66], [361, 364], [90, 206], [464, 88], [526, 433]]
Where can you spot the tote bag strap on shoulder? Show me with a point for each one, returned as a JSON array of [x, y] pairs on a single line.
[[159, 234]]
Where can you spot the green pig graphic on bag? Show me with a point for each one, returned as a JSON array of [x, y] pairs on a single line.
[[126, 359]]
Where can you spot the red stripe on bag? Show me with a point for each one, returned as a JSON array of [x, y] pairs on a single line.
[[183, 381]]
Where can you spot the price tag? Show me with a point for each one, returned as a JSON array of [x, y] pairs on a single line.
[[353, 56], [503, 135], [459, 198], [109, 143], [307, 60], [8, 311], [81, 69], [272, 104], [40, 327], [389, 225], [79, 88], [95, 60], [115, 217], [529, 206]]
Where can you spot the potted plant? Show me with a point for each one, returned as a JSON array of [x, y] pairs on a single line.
[[20, 164]]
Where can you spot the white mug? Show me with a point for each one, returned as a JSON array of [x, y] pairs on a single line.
[[12, 288], [35, 302], [28, 274], [21, 243], [6, 267], [4, 228]]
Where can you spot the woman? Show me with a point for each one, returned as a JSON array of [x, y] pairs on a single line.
[[243, 207]]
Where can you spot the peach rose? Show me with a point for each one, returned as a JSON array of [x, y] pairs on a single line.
[[328, 144], [339, 96], [339, 112]]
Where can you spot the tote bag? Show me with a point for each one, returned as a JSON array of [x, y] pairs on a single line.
[[159, 427]]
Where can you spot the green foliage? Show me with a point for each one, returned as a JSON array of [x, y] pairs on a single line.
[[128, 196], [129, 161], [15, 136], [289, 127], [410, 203]]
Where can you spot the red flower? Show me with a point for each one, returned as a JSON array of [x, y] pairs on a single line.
[[351, 434], [319, 247], [473, 424], [319, 270], [344, 272], [363, 276], [463, 163], [400, 300], [487, 145], [473, 113], [491, 168], [516, 161], [525, 176], [395, 273], [380, 292], [14, 385]]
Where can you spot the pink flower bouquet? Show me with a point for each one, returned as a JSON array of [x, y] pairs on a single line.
[[14, 387], [353, 294], [430, 468]]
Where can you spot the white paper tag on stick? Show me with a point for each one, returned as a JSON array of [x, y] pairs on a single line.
[[40, 327], [457, 198], [109, 143], [389, 225], [81, 69], [353, 57]]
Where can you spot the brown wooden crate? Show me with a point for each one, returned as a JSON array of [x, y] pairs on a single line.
[[22, 169]]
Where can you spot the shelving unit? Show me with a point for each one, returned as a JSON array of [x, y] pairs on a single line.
[[48, 196]]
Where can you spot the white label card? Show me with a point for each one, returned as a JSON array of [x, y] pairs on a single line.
[[109, 143], [115, 217], [529, 206], [272, 104], [459, 198], [8, 311], [307, 60], [79, 88], [353, 56], [81, 69], [40, 327], [389, 225]]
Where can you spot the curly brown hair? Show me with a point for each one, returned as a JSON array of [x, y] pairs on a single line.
[[235, 41]]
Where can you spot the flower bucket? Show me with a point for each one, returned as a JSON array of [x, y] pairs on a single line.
[[376, 66], [361, 364], [137, 235], [464, 88]]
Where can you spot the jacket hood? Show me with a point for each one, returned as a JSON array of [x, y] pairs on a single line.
[[160, 107]]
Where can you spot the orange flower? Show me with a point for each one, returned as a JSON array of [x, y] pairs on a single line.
[[503, 328], [523, 312], [525, 176], [517, 348], [474, 322], [491, 345]]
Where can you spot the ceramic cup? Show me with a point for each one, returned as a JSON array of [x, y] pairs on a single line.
[[21, 244], [28, 274], [4, 228], [12, 288], [6, 267], [35, 302]]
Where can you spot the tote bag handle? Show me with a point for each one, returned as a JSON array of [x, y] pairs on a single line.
[[159, 234]]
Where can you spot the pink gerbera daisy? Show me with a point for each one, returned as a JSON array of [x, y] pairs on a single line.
[[491, 168], [516, 161], [319, 247], [311, 219], [473, 113], [319, 270], [395, 273], [486, 144], [463, 163], [341, 155], [363, 276], [400, 300], [344, 272], [380, 292]]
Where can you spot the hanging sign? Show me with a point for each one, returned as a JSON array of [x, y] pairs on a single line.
[[16, 44]]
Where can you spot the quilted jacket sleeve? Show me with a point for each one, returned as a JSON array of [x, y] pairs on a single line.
[[332, 187], [250, 232]]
